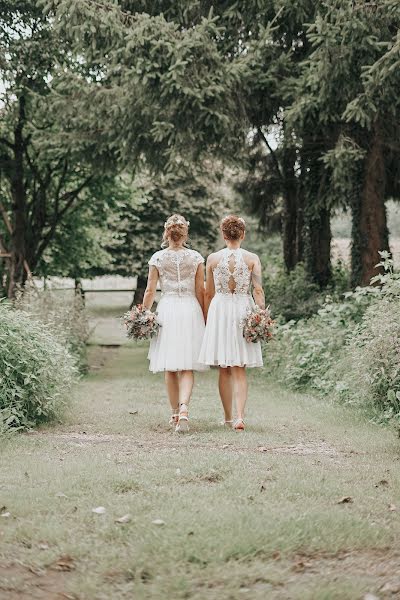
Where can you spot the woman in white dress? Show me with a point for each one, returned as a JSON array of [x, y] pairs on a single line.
[[230, 274], [176, 348]]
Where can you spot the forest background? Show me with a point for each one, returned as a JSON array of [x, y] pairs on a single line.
[[116, 114]]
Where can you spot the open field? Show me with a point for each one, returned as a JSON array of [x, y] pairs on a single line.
[[259, 515], [341, 250]]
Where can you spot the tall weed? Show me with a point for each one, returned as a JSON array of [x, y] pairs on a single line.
[[370, 362], [350, 349], [64, 314], [294, 296], [36, 370], [305, 351]]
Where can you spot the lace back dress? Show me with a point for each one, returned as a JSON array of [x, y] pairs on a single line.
[[177, 345], [223, 343]]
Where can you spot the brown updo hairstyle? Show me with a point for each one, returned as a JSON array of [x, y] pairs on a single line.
[[233, 227], [176, 228]]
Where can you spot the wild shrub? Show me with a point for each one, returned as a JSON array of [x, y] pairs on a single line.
[[36, 370], [370, 362], [294, 296], [350, 349], [305, 351], [66, 316]]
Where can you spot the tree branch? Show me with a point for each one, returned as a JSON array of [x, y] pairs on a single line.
[[70, 198], [6, 143], [273, 155], [61, 181], [126, 17], [3, 248], [5, 218], [33, 167]]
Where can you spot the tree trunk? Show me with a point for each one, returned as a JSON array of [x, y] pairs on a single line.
[[17, 273], [300, 224], [369, 228], [4, 268], [319, 246], [289, 225], [140, 290], [317, 213], [3, 280], [79, 291]]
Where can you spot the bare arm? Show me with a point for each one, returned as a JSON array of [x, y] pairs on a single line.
[[151, 288], [210, 288], [199, 285], [256, 279]]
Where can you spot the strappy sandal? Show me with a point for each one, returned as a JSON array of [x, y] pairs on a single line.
[[238, 425], [182, 425], [174, 417]]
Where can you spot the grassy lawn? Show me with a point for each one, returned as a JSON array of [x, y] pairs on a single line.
[[253, 515]]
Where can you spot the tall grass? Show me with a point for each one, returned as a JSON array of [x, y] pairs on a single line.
[[36, 370], [64, 314], [349, 349]]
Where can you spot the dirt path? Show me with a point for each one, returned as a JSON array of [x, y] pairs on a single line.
[[304, 505]]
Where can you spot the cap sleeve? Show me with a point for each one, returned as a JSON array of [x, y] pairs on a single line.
[[198, 258], [155, 260]]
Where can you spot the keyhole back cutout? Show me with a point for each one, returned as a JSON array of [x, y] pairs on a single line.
[[232, 268]]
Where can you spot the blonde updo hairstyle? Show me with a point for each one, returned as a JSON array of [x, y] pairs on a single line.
[[176, 229], [233, 228]]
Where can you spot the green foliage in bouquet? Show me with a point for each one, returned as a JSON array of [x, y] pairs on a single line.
[[36, 371], [141, 323], [258, 325]]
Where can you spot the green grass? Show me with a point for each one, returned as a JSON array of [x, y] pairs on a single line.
[[238, 522]]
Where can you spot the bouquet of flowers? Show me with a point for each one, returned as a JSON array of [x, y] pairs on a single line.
[[257, 325], [141, 323]]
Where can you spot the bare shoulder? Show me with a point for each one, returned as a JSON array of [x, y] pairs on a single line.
[[213, 258], [251, 258]]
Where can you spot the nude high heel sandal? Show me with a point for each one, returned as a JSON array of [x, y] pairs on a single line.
[[174, 417], [182, 425]]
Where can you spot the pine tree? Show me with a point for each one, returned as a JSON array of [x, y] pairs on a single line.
[[347, 92]]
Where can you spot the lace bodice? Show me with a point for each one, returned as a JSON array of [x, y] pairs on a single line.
[[177, 270], [232, 275]]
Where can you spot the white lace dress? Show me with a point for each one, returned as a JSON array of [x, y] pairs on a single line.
[[177, 345], [223, 342]]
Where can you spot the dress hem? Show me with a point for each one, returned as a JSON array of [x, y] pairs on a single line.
[[225, 366], [197, 369]]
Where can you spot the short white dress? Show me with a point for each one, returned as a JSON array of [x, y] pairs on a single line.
[[223, 343], [178, 342]]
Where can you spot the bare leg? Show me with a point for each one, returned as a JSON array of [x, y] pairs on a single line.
[[240, 389], [226, 391], [172, 384], [186, 382]]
